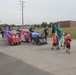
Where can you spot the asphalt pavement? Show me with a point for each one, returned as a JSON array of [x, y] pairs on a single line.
[[29, 59], [12, 66]]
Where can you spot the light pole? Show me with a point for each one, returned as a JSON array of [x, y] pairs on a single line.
[[22, 8]]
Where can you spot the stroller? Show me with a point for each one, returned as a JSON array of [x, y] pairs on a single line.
[[27, 36], [38, 39], [12, 39]]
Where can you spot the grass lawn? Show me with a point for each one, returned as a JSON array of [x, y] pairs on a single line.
[[71, 31]]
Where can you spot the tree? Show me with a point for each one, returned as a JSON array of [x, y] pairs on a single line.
[[44, 24], [50, 25], [38, 26], [53, 24], [13, 25]]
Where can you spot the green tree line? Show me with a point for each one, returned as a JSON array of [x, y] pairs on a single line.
[[42, 25]]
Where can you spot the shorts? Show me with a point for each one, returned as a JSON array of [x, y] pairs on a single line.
[[54, 44], [68, 46]]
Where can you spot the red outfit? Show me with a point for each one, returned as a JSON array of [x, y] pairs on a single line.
[[54, 39], [68, 40]]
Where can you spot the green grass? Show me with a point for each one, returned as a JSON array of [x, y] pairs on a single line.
[[49, 36], [71, 31]]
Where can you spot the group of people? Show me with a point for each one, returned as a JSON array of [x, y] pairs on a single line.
[[60, 39]]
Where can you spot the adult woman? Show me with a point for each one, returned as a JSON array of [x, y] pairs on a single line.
[[58, 30]]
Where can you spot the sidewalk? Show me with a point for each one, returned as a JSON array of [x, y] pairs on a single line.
[[54, 61]]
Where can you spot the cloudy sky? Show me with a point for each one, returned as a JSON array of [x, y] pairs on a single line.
[[37, 11]]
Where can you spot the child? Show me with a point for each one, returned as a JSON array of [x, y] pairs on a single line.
[[68, 41], [17, 35], [62, 40], [65, 36], [22, 36], [13, 36], [54, 41]]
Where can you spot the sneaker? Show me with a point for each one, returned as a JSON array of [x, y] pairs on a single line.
[[52, 48], [66, 51], [61, 45], [58, 48]]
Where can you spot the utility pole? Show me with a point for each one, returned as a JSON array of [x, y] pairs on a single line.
[[22, 8]]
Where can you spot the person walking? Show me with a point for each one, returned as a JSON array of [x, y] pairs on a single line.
[[54, 41], [58, 30], [31, 30], [46, 30], [2, 33], [68, 43], [53, 29]]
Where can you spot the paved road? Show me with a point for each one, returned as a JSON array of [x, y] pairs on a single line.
[[13, 66], [56, 62]]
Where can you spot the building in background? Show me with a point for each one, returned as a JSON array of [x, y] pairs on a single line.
[[66, 24]]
